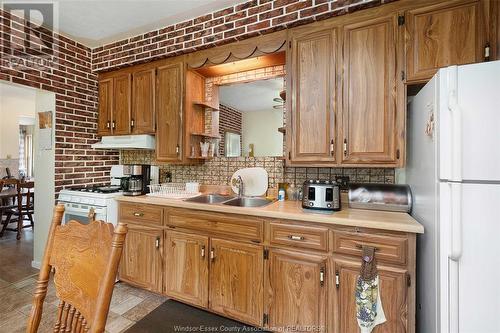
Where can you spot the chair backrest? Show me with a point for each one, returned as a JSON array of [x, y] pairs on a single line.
[[25, 189], [85, 261]]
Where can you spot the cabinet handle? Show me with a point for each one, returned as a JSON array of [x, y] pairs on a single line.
[[359, 246], [345, 147], [337, 279], [132, 123], [157, 242], [296, 238], [113, 124], [212, 254], [203, 251], [108, 125], [136, 214], [322, 276], [177, 149], [332, 147]]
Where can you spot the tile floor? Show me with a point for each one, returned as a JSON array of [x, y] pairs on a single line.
[[17, 285]]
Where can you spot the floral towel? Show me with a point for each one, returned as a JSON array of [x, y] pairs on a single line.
[[369, 309]]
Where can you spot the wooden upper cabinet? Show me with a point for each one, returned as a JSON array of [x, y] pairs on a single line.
[[105, 107], [393, 293], [122, 100], [141, 262], [169, 112], [313, 96], [297, 290], [186, 275], [236, 280], [143, 102], [369, 115], [448, 33]]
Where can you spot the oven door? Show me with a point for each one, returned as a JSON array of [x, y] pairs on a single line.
[[80, 212]]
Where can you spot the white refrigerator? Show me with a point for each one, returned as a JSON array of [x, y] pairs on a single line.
[[453, 169]]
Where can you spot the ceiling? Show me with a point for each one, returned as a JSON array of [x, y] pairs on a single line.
[[252, 96], [95, 23]]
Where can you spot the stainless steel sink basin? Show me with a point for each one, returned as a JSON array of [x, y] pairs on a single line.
[[209, 198], [247, 202]]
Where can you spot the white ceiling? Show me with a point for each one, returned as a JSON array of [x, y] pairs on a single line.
[[252, 96], [95, 23]]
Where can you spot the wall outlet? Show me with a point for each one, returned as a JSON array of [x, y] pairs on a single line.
[[343, 181]]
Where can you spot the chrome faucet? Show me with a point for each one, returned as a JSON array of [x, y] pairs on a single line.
[[239, 182]]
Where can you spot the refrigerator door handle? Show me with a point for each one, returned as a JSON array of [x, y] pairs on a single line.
[[456, 129], [456, 222]]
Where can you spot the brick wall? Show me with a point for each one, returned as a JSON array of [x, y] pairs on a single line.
[[70, 77], [245, 20], [229, 120]]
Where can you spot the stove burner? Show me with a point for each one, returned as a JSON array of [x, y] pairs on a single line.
[[97, 189]]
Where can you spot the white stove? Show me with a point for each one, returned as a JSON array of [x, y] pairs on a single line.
[[78, 201]]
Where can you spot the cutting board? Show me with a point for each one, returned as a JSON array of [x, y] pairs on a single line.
[[255, 181]]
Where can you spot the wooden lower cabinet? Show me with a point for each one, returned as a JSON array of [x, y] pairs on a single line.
[[186, 269], [393, 288], [142, 257], [297, 291], [236, 280]]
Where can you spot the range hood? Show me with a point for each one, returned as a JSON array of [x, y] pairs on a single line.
[[142, 141]]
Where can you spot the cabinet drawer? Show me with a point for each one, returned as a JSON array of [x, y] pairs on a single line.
[[140, 214], [388, 248], [308, 237], [233, 226]]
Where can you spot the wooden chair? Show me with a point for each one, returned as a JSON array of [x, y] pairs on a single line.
[[21, 208], [9, 205], [85, 261]]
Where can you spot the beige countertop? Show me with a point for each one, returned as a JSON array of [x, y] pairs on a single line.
[[292, 210]]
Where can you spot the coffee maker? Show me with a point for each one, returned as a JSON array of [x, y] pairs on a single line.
[[136, 179]]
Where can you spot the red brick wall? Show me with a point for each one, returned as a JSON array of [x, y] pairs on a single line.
[[75, 87], [229, 120], [248, 19]]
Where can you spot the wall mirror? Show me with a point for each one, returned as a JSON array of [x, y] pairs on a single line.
[[252, 113]]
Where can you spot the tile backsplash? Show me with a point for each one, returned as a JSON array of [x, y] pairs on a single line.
[[219, 170]]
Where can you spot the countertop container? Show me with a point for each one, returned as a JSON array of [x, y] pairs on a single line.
[[388, 197]]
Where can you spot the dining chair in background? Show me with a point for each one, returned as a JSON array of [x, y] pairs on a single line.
[[22, 206], [84, 259]]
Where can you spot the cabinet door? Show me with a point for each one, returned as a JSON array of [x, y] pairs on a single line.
[[297, 289], [141, 262], [369, 110], [121, 104], [186, 275], [449, 33], [170, 94], [313, 91], [143, 102], [393, 292], [236, 280], [105, 107]]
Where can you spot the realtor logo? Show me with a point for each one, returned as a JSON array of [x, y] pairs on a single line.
[[29, 32]]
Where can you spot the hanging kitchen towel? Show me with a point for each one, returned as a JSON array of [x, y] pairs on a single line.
[[369, 311]]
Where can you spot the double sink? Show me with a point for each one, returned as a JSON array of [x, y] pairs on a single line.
[[213, 199]]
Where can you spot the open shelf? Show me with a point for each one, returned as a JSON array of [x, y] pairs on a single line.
[[206, 105], [206, 135]]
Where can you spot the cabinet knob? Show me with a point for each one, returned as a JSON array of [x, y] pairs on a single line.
[[157, 242], [203, 251], [177, 149], [212, 254], [132, 123], [113, 124], [108, 125]]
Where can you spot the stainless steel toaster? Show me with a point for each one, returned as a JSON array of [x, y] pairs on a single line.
[[321, 194]]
